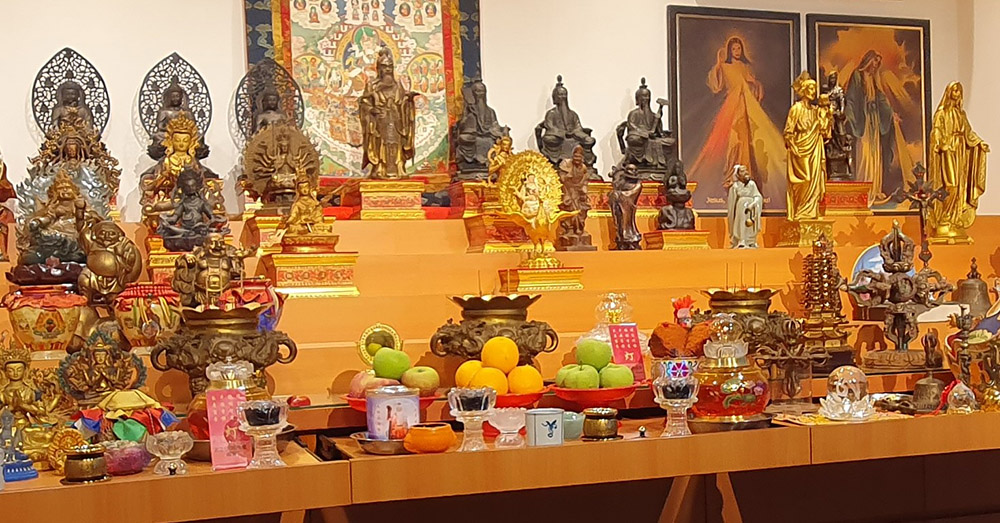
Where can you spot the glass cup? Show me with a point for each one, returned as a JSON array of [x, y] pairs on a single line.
[[472, 407], [263, 420], [509, 421], [676, 390], [169, 447]]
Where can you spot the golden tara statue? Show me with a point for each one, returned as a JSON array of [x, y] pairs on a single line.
[[30, 401], [201, 276], [113, 261], [157, 183], [806, 128], [388, 117], [272, 161], [306, 214], [530, 194], [957, 165]]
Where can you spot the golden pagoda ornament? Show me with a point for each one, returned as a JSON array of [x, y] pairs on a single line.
[[823, 324]]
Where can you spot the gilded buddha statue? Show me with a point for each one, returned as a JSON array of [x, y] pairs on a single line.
[[388, 117], [113, 261], [306, 213], [174, 104], [181, 146], [32, 408]]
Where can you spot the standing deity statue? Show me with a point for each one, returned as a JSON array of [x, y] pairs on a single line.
[[113, 261], [573, 174], [807, 127], [957, 165], [388, 117], [744, 205], [475, 133], [626, 187], [840, 145], [201, 276], [71, 105], [642, 139], [560, 132], [676, 215]]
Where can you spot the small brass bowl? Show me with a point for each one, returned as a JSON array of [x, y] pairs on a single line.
[[85, 464], [600, 423]]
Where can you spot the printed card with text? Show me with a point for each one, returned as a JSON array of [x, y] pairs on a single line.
[[231, 447], [626, 348]]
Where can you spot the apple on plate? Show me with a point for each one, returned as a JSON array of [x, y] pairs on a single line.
[[424, 379], [390, 363], [595, 353], [614, 376], [582, 377], [365, 381]]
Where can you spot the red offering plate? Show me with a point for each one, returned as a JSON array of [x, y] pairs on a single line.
[[519, 400], [361, 404], [594, 397]]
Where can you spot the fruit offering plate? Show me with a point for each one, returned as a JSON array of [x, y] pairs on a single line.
[[520, 400], [361, 404], [594, 397]]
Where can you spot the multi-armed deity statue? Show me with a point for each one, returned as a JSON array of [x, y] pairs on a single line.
[[388, 117], [643, 140], [744, 207], [958, 166], [560, 132], [475, 133], [274, 158]]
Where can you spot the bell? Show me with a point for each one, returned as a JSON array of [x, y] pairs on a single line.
[[972, 291], [927, 393]]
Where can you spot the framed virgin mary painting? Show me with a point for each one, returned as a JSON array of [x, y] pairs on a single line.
[[731, 73], [883, 66]]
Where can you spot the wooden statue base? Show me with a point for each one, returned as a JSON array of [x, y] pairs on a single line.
[[523, 279], [312, 275], [391, 200], [651, 199], [675, 240], [884, 360], [803, 233], [491, 233], [263, 232], [847, 198]]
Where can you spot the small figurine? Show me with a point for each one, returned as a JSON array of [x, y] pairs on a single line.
[[676, 215], [100, 368], [642, 139], [306, 212], [71, 106], [573, 174], [52, 231], [744, 205], [192, 217], [840, 146], [497, 157], [806, 129], [113, 261], [626, 186], [201, 276], [561, 132], [475, 133], [268, 112], [181, 146], [272, 160], [6, 215], [388, 116], [957, 165]]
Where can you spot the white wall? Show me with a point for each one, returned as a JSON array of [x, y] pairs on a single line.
[[603, 47], [123, 39]]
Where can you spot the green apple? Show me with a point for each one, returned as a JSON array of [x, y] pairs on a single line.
[[373, 348], [425, 379], [390, 363], [583, 377], [595, 353], [614, 376], [562, 373]]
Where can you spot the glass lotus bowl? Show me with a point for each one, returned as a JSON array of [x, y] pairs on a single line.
[[263, 420], [676, 390], [509, 421], [169, 447], [961, 399], [471, 407], [847, 397]]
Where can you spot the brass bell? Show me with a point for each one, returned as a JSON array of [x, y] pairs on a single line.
[[973, 291]]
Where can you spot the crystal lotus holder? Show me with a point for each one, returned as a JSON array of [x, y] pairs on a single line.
[[509, 421], [847, 397], [263, 420], [676, 390], [169, 447], [472, 407]]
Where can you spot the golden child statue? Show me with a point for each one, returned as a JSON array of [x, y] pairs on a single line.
[[957, 165], [806, 128]]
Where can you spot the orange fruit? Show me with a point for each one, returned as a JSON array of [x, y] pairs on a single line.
[[465, 372], [500, 353], [525, 380], [490, 377]]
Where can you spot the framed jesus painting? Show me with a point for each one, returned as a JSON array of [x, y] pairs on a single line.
[[731, 73], [883, 66]]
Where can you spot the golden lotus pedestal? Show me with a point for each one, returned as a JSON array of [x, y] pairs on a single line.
[[391, 200], [804, 233], [308, 266], [262, 230], [675, 240], [539, 275], [847, 199]]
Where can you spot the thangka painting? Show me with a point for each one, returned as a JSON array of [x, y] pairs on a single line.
[[731, 73], [883, 66], [330, 48]]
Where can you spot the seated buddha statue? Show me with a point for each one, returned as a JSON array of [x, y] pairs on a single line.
[[71, 105], [173, 104], [268, 111], [181, 144]]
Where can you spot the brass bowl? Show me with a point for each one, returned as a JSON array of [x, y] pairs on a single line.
[[741, 301], [600, 423], [85, 464]]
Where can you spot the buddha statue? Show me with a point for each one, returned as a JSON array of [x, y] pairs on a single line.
[[475, 133], [560, 132], [268, 111], [201, 276], [53, 230], [306, 213], [191, 217], [100, 368], [173, 105], [71, 105], [181, 144], [33, 411], [642, 139], [273, 159], [113, 261], [676, 216], [388, 117]]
